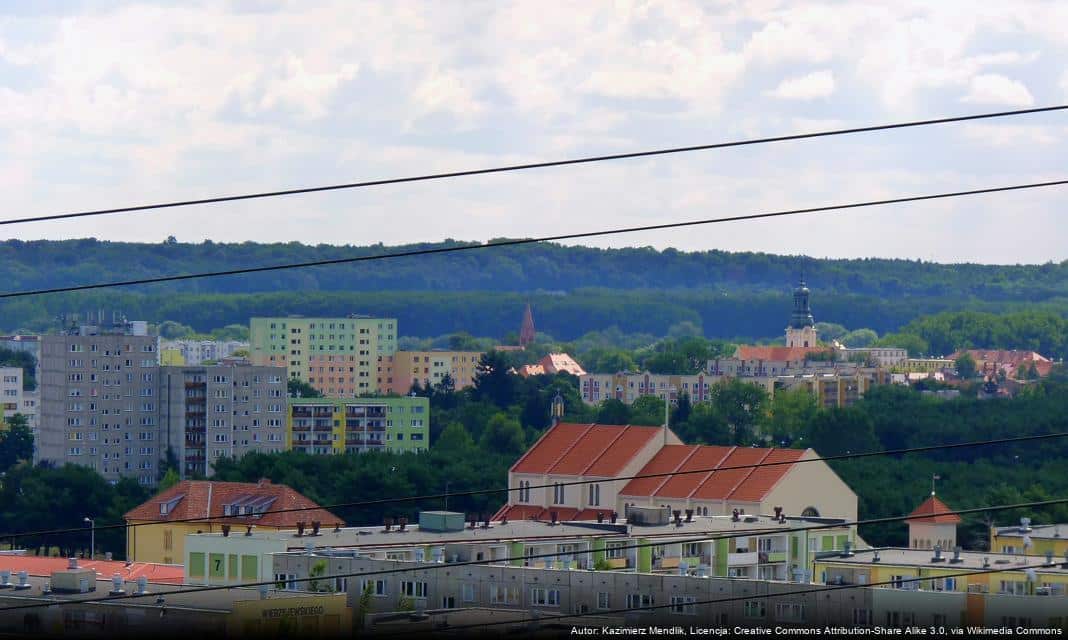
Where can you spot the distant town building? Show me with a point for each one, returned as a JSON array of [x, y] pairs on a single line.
[[398, 372], [11, 393], [338, 356], [552, 364], [627, 387], [1014, 364], [194, 352], [1025, 538], [334, 426], [159, 526], [886, 357], [801, 332], [24, 343]]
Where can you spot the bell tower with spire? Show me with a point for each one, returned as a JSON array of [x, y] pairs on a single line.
[[801, 332]]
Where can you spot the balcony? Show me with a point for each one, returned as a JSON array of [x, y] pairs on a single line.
[[743, 559], [299, 428], [768, 557]]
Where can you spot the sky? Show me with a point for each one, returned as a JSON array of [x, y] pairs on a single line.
[[106, 104]]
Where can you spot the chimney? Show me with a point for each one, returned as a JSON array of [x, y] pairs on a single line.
[[485, 521], [614, 516], [600, 517], [226, 530], [504, 520], [875, 557], [402, 523], [778, 512], [678, 517], [848, 551], [315, 527], [956, 555], [735, 516], [689, 515], [248, 529], [72, 563], [472, 520], [553, 516], [387, 523], [300, 528]]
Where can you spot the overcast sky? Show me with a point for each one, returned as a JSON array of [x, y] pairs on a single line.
[[109, 104]]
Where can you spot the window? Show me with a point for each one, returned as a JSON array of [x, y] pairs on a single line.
[[413, 589], [501, 594], [540, 597], [285, 581], [468, 592], [790, 611], [683, 605], [595, 495], [378, 587], [604, 600], [754, 609], [558, 493], [691, 549], [639, 600], [614, 550], [524, 490]]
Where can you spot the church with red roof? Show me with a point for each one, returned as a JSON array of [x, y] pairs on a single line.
[[933, 524], [625, 466]]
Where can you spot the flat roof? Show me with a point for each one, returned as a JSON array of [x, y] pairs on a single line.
[[377, 537], [974, 560], [1040, 531]]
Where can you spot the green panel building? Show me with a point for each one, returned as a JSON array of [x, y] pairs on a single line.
[[340, 425]]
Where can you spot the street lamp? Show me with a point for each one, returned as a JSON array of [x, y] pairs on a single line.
[[92, 536]]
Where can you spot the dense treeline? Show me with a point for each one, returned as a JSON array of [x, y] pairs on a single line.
[[38, 264]]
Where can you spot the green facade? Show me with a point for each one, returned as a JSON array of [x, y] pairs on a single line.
[[356, 425]]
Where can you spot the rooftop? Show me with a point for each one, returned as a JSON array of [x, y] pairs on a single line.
[[976, 560], [778, 354], [1038, 531], [585, 449], [210, 500], [937, 510], [105, 569]]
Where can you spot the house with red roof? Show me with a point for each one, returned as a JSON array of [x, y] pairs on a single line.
[[157, 528], [710, 480]]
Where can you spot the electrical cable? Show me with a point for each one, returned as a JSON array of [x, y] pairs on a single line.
[[557, 554], [509, 490], [524, 241], [536, 165]]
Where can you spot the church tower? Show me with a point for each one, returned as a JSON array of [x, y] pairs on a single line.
[[802, 331], [526, 330]]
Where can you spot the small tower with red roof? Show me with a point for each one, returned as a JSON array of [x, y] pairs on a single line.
[[933, 523]]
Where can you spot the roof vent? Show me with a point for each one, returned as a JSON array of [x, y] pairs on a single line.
[[402, 523], [956, 556], [938, 554], [72, 563], [986, 562], [142, 585], [316, 525], [300, 529], [5, 579], [553, 516], [24, 581], [847, 552], [387, 523], [116, 586], [1025, 525], [1049, 558], [689, 515], [876, 557], [678, 517]]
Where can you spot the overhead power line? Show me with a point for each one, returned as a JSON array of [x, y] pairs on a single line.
[[556, 554], [523, 241], [536, 165], [508, 490]]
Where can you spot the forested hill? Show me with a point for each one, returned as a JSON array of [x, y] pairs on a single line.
[[547, 267], [575, 290]]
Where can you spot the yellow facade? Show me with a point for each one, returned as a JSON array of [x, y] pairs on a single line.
[[1014, 543], [312, 616], [944, 577], [171, 358], [164, 542]]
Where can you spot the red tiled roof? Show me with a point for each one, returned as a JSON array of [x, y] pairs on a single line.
[[584, 449], [665, 461], [749, 484], [702, 458], [519, 512], [105, 569], [939, 512], [779, 354], [557, 362], [204, 499], [591, 514], [528, 370]]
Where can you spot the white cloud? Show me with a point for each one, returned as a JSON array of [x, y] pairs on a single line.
[[818, 84], [994, 88], [1010, 135]]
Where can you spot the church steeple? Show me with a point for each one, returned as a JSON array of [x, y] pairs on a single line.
[[801, 332], [526, 331], [802, 315]]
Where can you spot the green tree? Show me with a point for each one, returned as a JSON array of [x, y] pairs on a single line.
[[742, 405], [16, 441], [492, 382], [455, 439], [318, 584], [792, 410], [504, 435], [364, 606], [297, 388], [838, 431], [704, 426], [966, 367], [647, 411], [613, 411], [859, 338]]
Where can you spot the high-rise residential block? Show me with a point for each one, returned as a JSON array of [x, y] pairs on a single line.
[[334, 426], [224, 410], [99, 405], [337, 356], [398, 372]]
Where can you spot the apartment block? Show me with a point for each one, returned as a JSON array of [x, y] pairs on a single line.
[[595, 388], [230, 409], [11, 393], [398, 372], [99, 404], [335, 426], [194, 352], [337, 356]]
